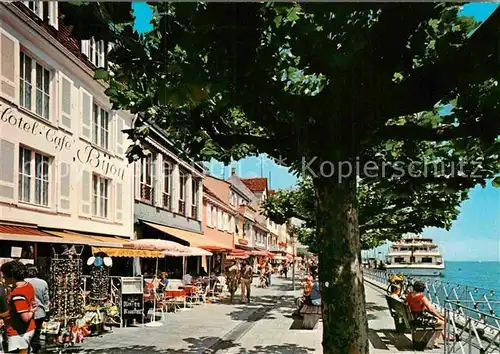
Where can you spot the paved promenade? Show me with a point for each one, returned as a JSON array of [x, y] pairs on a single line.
[[263, 326], [211, 328]]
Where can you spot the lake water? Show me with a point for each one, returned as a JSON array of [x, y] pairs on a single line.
[[484, 275]]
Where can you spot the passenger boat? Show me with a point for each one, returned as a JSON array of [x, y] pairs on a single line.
[[415, 256]]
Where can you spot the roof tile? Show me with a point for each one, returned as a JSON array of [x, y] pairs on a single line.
[[255, 184]]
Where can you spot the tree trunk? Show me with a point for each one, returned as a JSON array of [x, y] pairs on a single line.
[[345, 325]]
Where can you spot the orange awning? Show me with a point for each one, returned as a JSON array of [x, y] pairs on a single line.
[[90, 240], [194, 239], [26, 234]]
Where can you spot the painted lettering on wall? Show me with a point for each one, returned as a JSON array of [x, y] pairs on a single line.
[[98, 160], [53, 136]]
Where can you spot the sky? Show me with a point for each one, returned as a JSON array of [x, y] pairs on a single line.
[[475, 235]]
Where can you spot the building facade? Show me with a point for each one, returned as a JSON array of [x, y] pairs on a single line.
[[62, 147], [219, 222], [168, 190], [242, 198]]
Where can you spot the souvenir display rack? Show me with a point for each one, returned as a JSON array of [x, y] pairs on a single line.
[[63, 329]]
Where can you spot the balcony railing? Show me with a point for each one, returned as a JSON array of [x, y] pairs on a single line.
[[182, 207], [146, 193], [166, 201]]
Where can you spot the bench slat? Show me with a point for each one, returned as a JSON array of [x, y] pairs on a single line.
[[308, 309]]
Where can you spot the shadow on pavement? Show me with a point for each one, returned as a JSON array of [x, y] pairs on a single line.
[[276, 349], [128, 350], [372, 306]]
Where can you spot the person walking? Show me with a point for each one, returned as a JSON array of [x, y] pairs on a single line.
[[20, 322], [269, 272], [285, 270], [4, 312], [232, 274], [246, 281], [42, 301]]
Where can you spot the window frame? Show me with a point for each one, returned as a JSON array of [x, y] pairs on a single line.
[[143, 178], [34, 177], [39, 11], [91, 48], [214, 216], [98, 128], [98, 198], [167, 185], [46, 90], [183, 177], [195, 199]]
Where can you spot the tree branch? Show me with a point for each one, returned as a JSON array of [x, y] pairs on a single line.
[[443, 133]]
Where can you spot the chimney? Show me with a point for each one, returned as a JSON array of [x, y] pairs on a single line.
[[233, 171]]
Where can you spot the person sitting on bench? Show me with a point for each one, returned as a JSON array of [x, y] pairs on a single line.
[[311, 294], [315, 296], [425, 313]]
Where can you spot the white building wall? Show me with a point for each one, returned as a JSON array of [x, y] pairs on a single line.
[[65, 137]]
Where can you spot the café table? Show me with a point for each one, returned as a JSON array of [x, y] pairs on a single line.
[[189, 289], [176, 293]]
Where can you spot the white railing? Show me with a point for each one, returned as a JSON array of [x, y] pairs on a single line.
[[479, 333], [470, 311]]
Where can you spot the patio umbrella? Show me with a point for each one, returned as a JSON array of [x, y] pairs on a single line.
[[160, 245]]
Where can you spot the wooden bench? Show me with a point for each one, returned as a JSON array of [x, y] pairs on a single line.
[[404, 320], [310, 316]]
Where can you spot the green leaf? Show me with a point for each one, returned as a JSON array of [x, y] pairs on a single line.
[[293, 14], [496, 182], [277, 21], [101, 74]]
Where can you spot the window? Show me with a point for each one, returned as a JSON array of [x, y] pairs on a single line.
[[194, 199], [95, 51], [100, 200], [167, 185], [100, 127], [36, 7], [146, 179], [224, 221], [182, 192], [214, 216], [234, 199], [34, 77], [220, 222], [34, 169]]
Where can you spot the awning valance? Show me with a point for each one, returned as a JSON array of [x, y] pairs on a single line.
[[89, 240], [25, 234], [33, 234], [194, 239], [127, 252]]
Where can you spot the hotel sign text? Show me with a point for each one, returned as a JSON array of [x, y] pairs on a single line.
[[88, 155]]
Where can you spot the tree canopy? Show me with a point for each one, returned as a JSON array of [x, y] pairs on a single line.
[[320, 84]]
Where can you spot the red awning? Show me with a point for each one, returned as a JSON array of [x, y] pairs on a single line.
[[25, 234], [215, 248]]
